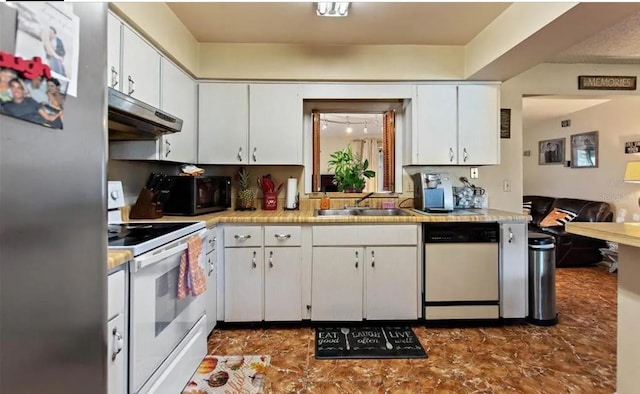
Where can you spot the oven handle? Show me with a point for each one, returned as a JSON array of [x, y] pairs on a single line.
[[144, 262]]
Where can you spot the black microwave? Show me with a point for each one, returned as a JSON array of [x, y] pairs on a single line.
[[196, 195]]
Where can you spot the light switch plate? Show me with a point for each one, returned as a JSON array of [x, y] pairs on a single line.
[[474, 172]]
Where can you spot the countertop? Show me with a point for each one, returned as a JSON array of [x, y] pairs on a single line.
[[623, 233], [117, 257]]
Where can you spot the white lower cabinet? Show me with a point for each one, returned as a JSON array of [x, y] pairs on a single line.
[[337, 283], [262, 280], [243, 298], [367, 280], [391, 282], [211, 304], [514, 270], [116, 333]]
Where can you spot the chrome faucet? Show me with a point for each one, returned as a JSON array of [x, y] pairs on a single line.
[[361, 199]]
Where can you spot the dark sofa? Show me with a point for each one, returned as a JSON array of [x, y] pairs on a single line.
[[571, 250]]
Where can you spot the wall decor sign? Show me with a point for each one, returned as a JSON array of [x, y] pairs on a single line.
[[551, 151], [505, 123], [606, 82], [584, 150], [632, 147]]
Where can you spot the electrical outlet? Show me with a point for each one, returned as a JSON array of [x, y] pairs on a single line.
[[474, 172], [506, 185]]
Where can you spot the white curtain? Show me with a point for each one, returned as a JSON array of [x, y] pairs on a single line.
[[368, 150]]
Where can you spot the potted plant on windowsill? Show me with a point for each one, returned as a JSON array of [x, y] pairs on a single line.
[[349, 170]]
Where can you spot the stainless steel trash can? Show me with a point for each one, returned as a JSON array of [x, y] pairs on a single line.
[[542, 280]]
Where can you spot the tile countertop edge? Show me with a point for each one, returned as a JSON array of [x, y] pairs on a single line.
[[623, 233], [116, 258]]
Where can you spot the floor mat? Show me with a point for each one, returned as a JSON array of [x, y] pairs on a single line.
[[367, 342], [229, 374]]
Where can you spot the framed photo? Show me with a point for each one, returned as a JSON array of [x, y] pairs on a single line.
[[551, 151], [584, 150]]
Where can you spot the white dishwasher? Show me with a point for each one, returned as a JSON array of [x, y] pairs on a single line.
[[461, 271]]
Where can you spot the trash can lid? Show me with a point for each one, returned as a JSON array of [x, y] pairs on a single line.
[[540, 239]]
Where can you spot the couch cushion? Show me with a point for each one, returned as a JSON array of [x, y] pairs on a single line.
[[557, 217], [586, 210], [540, 206]]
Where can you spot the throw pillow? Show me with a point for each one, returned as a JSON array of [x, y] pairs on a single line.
[[526, 207], [558, 217]]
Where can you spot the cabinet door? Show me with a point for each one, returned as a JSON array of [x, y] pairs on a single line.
[[437, 124], [275, 124], [336, 288], [223, 123], [478, 124], [140, 68], [513, 270], [211, 304], [391, 282], [113, 51], [116, 356], [179, 99], [283, 284], [243, 278]]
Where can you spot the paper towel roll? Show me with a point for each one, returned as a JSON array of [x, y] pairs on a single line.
[[292, 191]]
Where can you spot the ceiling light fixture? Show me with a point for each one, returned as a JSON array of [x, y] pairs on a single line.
[[332, 8], [349, 129], [365, 128], [324, 124]]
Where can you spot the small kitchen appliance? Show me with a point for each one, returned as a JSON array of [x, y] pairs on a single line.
[[432, 192], [197, 195]]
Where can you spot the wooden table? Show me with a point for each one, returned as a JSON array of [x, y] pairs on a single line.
[[627, 235]]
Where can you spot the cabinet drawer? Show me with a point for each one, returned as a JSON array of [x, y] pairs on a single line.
[[282, 235], [388, 234], [211, 239], [240, 236], [377, 234], [116, 293]]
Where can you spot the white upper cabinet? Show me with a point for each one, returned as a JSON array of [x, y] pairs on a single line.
[[249, 124], [114, 28], [437, 122], [223, 123], [456, 124], [179, 98], [140, 68], [478, 124], [275, 124]]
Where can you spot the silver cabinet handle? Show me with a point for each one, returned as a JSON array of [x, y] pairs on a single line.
[[356, 259], [242, 237], [271, 259], [253, 260], [451, 154], [465, 155], [254, 154], [168, 148], [118, 343], [510, 235], [282, 237], [131, 85], [211, 240], [114, 77], [373, 258], [240, 154], [210, 267]]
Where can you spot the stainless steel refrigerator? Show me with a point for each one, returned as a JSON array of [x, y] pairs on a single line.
[[53, 242]]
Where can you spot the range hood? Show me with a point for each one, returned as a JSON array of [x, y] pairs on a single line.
[[131, 119]]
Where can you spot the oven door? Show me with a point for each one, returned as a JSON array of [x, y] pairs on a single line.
[[159, 321]]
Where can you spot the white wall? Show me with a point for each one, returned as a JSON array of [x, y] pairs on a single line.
[[616, 121]]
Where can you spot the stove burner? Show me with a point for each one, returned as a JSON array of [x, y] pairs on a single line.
[[132, 234]]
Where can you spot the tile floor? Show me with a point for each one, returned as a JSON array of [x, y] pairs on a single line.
[[576, 356]]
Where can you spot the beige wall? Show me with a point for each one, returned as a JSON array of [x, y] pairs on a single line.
[[547, 78], [616, 122]]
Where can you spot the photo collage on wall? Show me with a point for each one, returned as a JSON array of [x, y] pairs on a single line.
[[37, 77]]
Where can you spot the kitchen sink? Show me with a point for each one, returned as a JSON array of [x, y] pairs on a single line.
[[361, 212]]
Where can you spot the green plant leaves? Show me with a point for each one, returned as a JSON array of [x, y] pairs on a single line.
[[349, 169]]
